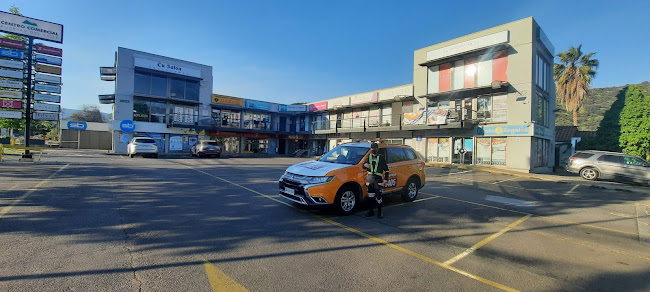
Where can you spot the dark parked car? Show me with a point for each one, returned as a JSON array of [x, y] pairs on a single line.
[[592, 164], [205, 148]]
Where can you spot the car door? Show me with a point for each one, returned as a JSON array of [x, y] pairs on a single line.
[[610, 166], [398, 166], [636, 169]]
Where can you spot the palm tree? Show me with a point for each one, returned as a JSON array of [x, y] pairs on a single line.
[[573, 77]]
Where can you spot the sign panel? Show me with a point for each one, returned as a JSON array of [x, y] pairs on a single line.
[[11, 104], [12, 64], [48, 59], [260, 105], [227, 100], [127, 126], [11, 73], [391, 93], [12, 43], [11, 115], [47, 78], [468, 46], [72, 125], [503, 130], [293, 108], [363, 98], [47, 107], [175, 142], [48, 69], [49, 50], [11, 53], [11, 94], [46, 116], [166, 66], [47, 97], [11, 84], [319, 106], [48, 88], [31, 27]]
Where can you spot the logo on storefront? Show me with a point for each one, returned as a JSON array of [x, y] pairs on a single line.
[[127, 126], [77, 125]]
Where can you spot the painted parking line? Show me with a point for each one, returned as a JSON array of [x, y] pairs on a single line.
[[485, 241], [18, 200], [414, 201], [460, 172], [505, 180], [571, 190], [219, 281]]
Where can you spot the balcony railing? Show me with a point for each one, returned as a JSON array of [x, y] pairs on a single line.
[[433, 117]]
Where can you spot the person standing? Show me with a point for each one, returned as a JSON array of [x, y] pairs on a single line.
[[377, 173]]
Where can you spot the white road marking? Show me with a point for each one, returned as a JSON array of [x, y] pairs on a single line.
[[505, 180], [452, 173], [509, 201], [571, 190]]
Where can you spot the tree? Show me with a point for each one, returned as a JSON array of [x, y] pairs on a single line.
[[14, 10], [573, 77], [88, 113], [635, 123]]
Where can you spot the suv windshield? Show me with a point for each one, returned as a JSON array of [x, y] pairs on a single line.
[[145, 140], [345, 155], [211, 143]]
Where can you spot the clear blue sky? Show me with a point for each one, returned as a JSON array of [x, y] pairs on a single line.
[[292, 51]]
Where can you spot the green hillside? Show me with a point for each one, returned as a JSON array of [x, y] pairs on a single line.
[[597, 103]]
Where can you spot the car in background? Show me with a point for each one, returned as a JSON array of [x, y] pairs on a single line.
[[206, 148], [592, 165], [338, 178], [142, 146]]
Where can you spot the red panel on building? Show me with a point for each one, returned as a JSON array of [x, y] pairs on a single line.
[[12, 43], [500, 66], [11, 104], [445, 77], [223, 133], [470, 72], [257, 135], [49, 50]]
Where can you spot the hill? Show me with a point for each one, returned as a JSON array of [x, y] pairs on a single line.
[[66, 113], [598, 101]]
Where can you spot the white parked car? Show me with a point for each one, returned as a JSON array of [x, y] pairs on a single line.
[[142, 146]]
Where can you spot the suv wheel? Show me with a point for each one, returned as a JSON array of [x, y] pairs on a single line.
[[345, 201], [411, 190], [589, 173]]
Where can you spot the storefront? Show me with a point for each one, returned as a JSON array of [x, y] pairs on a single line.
[[230, 141]]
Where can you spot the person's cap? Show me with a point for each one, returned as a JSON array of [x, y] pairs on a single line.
[[374, 145]]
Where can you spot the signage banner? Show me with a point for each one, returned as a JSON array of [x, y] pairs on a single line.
[[47, 97], [437, 116], [72, 125], [12, 64], [127, 126], [48, 69], [46, 116], [11, 94], [260, 105], [48, 59], [31, 27], [47, 107], [11, 104], [319, 106], [47, 78], [218, 99], [11, 115], [11, 84], [414, 118], [339, 102], [165, 66], [12, 43], [11, 73], [293, 108], [49, 50], [48, 88], [11, 53], [468, 46], [175, 142], [503, 130], [391, 93], [363, 98]]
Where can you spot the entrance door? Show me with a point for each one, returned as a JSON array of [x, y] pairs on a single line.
[[463, 151], [281, 145]]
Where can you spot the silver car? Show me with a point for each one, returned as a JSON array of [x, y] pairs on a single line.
[[143, 145], [592, 164], [205, 148]]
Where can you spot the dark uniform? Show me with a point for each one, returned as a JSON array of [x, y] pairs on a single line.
[[377, 166]]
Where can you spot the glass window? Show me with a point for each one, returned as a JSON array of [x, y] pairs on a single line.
[[433, 84], [396, 155], [192, 90], [633, 161], [484, 108], [158, 85], [142, 83], [444, 150], [141, 110], [458, 76], [344, 154], [177, 88], [611, 159], [410, 154], [158, 112], [432, 149], [582, 155]]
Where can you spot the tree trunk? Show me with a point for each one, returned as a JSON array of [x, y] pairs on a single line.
[[575, 118]]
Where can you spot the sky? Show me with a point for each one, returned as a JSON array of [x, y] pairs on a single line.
[[303, 51]]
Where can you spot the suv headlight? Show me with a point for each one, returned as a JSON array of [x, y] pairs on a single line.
[[319, 179]]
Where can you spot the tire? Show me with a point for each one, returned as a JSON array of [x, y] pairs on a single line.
[[346, 200], [155, 155], [411, 190], [218, 155], [589, 173]]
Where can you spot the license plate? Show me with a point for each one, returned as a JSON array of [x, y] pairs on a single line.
[[289, 191]]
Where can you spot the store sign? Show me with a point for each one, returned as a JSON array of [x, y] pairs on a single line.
[[48, 59], [127, 126], [11, 73], [469, 46], [72, 125], [47, 78], [12, 43], [167, 67], [176, 142], [47, 107], [363, 98], [48, 69], [48, 88], [11, 53], [293, 108], [11, 94], [319, 106], [260, 105], [503, 130], [46, 116], [49, 50], [47, 97], [12, 64], [11, 115], [31, 27], [11, 104], [391, 93], [218, 99], [339, 102], [11, 84]]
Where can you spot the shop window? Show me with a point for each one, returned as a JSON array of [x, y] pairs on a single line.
[[484, 70], [541, 111], [148, 111], [492, 108], [158, 85], [543, 69], [142, 83], [444, 150], [177, 88], [141, 110], [432, 149], [192, 90], [433, 79], [540, 152], [499, 151], [458, 75], [158, 112], [256, 145], [386, 115], [184, 114], [491, 151]]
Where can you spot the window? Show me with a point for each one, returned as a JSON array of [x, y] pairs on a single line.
[[185, 114], [148, 111], [543, 69], [493, 108], [540, 151], [491, 151], [458, 75], [541, 111], [410, 154], [611, 159], [192, 90], [583, 155], [633, 161], [160, 85], [396, 155], [142, 83], [433, 80], [177, 88]]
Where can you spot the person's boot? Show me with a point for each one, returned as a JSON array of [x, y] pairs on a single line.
[[379, 214], [370, 213]]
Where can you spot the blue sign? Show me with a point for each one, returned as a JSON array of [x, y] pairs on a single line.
[[293, 108], [77, 125], [503, 130], [127, 126], [48, 60], [260, 105], [12, 54]]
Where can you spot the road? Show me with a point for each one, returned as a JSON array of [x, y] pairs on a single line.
[[84, 220]]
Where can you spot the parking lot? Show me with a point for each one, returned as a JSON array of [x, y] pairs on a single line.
[[84, 220]]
